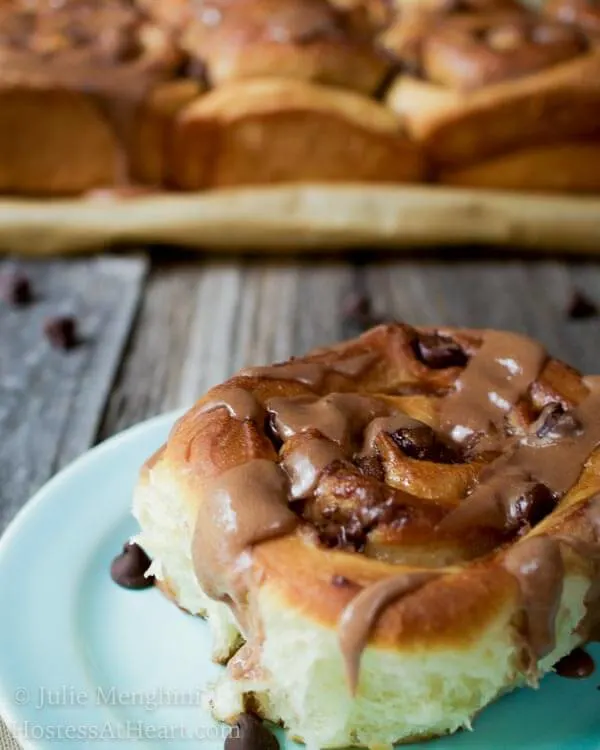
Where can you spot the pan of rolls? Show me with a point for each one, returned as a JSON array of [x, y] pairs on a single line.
[[384, 101]]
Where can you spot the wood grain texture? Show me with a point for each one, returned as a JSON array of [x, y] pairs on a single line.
[[51, 401], [284, 218], [7, 741], [201, 323]]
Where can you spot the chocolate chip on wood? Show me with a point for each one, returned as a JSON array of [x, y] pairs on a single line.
[[61, 332], [15, 289], [581, 307]]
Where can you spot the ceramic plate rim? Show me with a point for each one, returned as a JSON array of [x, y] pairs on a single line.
[[9, 710]]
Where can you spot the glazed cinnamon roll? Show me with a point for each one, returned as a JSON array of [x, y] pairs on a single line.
[[474, 51], [387, 534], [301, 39], [71, 80], [416, 19], [503, 85]]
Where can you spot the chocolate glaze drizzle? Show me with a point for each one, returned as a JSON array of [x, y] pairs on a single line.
[[305, 458], [311, 374], [239, 402], [246, 506], [360, 616], [249, 504], [340, 417], [490, 385], [555, 463], [537, 565]]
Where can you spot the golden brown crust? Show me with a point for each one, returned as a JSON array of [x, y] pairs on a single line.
[[70, 150], [459, 128], [448, 612], [247, 133], [563, 167], [302, 571], [151, 143]]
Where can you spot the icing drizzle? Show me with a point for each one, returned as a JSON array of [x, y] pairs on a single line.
[[490, 385]]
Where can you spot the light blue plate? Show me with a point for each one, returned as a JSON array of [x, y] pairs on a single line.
[[84, 662]]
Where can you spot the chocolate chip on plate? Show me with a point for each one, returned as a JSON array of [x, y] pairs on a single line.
[[249, 733], [128, 569], [581, 307], [15, 289], [61, 332], [438, 352]]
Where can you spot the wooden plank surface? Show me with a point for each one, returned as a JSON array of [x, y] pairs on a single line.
[[51, 401], [201, 322]]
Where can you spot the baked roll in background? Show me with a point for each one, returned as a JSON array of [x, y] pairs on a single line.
[[385, 535], [247, 133], [297, 39], [72, 79], [414, 20], [498, 87]]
